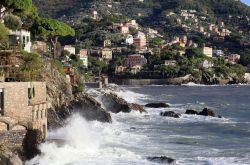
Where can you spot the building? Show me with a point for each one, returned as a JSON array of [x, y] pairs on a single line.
[[208, 51], [25, 105], [94, 15], [84, 57], [140, 40], [129, 40], [107, 43], [135, 69], [70, 49], [207, 64], [70, 74], [40, 47], [135, 60], [124, 29], [218, 53], [120, 69], [20, 38], [233, 58], [107, 54]]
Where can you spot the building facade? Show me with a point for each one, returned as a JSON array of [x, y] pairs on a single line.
[[22, 38], [70, 49], [107, 54], [26, 104], [135, 60], [84, 57], [208, 51]]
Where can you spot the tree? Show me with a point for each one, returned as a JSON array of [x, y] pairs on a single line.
[[194, 52], [52, 29], [245, 57], [3, 36], [15, 6], [12, 22]]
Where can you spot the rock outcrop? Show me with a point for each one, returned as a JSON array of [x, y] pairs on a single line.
[[207, 112], [157, 105], [162, 160], [191, 112], [9, 158], [116, 104], [31, 143], [170, 114], [204, 112], [86, 106]]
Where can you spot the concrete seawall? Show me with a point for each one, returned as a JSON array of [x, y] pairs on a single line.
[[174, 81]]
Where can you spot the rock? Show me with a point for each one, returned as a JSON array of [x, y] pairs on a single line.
[[137, 107], [157, 105], [86, 106], [31, 142], [162, 160], [170, 114], [8, 158], [207, 112], [220, 116], [116, 104], [191, 112]]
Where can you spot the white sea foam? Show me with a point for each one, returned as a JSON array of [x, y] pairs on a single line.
[[85, 142]]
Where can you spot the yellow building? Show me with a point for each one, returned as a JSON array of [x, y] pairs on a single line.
[[107, 54]]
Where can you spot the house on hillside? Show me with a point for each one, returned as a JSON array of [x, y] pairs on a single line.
[[135, 60], [208, 51], [233, 58], [107, 54], [206, 64], [20, 38], [84, 57], [71, 49]]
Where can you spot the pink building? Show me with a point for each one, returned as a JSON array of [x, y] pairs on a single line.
[[135, 60]]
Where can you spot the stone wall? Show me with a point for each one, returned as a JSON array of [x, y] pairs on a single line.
[[31, 113], [12, 139]]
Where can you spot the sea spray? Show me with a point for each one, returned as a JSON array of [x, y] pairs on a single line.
[[78, 138], [81, 142]]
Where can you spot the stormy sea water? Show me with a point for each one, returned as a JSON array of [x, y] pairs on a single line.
[[131, 138]]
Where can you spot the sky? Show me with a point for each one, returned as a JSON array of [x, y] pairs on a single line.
[[246, 1]]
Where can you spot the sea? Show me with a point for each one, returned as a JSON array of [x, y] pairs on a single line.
[[132, 137]]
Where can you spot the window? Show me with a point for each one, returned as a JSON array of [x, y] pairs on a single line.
[[31, 93], [1, 101]]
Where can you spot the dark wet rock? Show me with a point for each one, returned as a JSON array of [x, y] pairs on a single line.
[[133, 128], [191, 112], [31, 142], [162, 160], [157, 105], [220, 116], [116, 104], [170, 114], [207, 112]]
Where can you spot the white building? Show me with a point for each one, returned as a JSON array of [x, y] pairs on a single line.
[[70, 49], [129, 40], [207, 64], [208, 51], [218, 53], [22, 37], [84, 57]]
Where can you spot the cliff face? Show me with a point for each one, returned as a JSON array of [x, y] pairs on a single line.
[[64, 103]]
